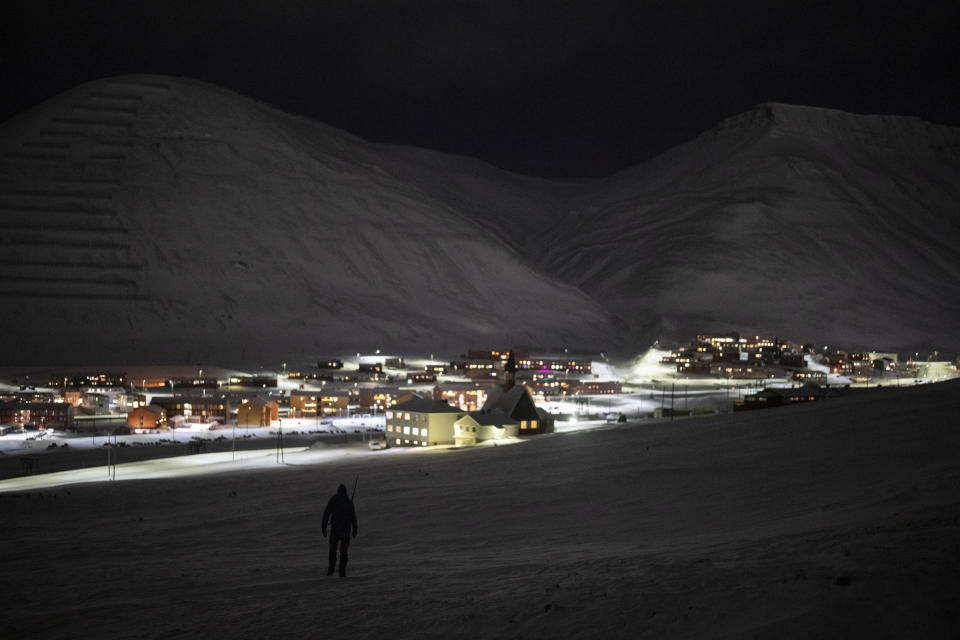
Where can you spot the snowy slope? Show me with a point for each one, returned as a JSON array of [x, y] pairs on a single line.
[[152, 218], [815, 224], [158, 219], [812, 223], [831, 520]]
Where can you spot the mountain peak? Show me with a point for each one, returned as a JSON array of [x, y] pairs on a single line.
[[903, 133]]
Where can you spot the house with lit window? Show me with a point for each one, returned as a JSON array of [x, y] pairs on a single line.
[[310, 402], [544, 364], [148, 417], [771, 397], [334, 403], [517, 402], [257, 412], [594, 387], [479, 427], [419, 422], [740, 370], [378, 400], [304, 403], [202, 409], [38, 415], [469, 396]]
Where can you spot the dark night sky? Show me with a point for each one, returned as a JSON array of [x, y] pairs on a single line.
[[579, 88]]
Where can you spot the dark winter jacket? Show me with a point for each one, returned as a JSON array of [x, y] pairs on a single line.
[[340, 514]]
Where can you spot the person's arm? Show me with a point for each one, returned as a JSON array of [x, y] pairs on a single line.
[[326, 518]]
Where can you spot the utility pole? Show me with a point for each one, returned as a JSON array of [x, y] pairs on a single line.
[[280, 443]]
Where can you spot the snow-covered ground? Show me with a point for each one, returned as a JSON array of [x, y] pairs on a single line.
[[833, 519]]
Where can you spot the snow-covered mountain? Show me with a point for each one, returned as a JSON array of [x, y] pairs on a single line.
[[815, 224], [150, 219]]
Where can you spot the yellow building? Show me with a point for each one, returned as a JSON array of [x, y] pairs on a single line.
[[419, 422], [479, 427]]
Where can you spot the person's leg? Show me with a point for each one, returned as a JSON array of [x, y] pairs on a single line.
[[332, 560], [344, 545]]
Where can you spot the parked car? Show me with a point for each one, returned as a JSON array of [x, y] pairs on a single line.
[[376, 445]]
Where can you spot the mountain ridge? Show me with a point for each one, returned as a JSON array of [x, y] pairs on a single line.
[[190, 185]]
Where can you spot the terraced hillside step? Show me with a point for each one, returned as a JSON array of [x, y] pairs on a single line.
[[86, 181], [78, 254], [73, 265], [63, 244], [66, 280], [102, 109], [116, 95], [39, 209], [73, 295], [34, 155], [46, 145], [50, 133], [107, 144], [144, 84], [91, 122], [72, 228], [38, 193]]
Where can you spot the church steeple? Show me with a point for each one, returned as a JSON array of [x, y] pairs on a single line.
[[510, 370]]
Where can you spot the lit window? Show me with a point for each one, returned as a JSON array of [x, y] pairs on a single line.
[[389, 427], [398, 441], [423, 444], [423, 432], [406, 431]]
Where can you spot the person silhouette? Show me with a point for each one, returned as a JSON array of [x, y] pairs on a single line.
[[343, 521]]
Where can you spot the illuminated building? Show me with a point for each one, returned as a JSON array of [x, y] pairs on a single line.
[[201, 409], [420, 377], [545, 364], [149, 417], [518, 403], [378, 400], [469, 396], [419, 422], [257, 412], [262, 382], [89, 380], [740, 370], [305, 403], [594, 387], [38, 415], [479, 427]]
